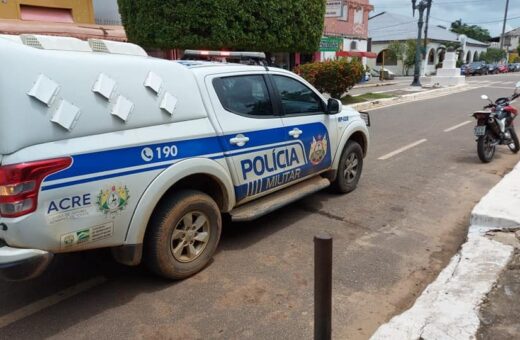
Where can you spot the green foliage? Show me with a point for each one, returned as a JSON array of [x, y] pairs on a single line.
[[333, 76], [493, 55], [404, 52], [409, 61], [398, 51], [452, 45], [349, 100], [260, 25], [472, 31]]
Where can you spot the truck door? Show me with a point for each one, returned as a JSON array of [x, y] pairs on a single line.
[[251, 133], [305, 121]]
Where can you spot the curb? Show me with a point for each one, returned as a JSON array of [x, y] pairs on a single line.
[[500, 207], [374, 85], [429, 94], [449, 306]]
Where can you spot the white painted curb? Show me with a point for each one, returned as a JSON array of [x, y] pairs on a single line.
[[448, 308], [429, 94], [500, 208]]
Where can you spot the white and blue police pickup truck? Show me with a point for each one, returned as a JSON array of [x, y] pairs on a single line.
[[102, 146]]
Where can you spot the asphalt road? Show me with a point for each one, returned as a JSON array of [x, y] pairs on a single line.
[[392, 236]]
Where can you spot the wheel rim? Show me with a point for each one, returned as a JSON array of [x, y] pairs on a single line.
[[351, 168], [488, 146], [190, 237]]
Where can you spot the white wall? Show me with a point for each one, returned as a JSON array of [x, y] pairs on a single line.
[[427, 69]]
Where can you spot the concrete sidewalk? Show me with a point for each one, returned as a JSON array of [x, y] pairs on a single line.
[[375, 83], [450, 307]]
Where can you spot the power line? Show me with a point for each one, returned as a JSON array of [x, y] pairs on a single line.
[[400, 24], [477, 23], [434, 3]]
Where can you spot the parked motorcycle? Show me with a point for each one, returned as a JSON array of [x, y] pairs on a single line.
[[495, 126]]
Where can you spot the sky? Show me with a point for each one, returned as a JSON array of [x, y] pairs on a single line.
[[444, 12]]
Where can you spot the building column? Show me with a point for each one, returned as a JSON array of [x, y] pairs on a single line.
[[317, 56]]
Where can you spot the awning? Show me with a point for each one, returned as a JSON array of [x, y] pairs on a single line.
[[80, 31], [359, 54]]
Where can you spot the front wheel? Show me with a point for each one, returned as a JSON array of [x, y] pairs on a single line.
[[183, 234], [514, 146], [349, 169], [486, 148]]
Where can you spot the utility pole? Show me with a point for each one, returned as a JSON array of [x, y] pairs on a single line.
[[421, 7], [502, 37]]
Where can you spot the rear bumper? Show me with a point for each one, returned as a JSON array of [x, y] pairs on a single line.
[[22, 264]]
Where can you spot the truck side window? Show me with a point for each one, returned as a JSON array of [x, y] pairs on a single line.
[[247, 95], [296, 97]]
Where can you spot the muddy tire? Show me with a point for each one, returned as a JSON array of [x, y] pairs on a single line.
[[349, 168], [182, 235], [485, 149], [515, 146]]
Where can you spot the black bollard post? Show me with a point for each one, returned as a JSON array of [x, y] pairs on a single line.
[[322, 286]]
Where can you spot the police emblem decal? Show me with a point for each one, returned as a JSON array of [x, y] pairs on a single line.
[[318, 149], [113, 200]]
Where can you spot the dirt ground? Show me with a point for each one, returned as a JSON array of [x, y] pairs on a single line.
[[500, 313]]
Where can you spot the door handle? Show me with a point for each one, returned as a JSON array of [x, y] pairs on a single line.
[[239, 140], [295, 132]]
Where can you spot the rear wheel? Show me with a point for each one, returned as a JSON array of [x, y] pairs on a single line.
[[349, 169], [514, 146], [183, 234], [485, 147]]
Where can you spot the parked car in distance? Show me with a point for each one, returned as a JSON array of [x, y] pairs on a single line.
[[465, 70], [492, 68], [479, 67], [514, 67], [503, 68]]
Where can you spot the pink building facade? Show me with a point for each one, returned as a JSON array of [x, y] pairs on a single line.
[[348, 20]]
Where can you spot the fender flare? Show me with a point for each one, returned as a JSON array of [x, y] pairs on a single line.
[[358, 126], [164, 181]]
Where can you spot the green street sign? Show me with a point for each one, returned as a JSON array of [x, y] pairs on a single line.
[[330, 44]]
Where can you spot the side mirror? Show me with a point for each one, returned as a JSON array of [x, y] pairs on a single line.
[[334, 106], [484, 97]]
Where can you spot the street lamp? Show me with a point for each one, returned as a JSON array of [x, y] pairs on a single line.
[[421, 7]]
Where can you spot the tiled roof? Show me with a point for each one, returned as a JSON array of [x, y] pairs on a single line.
[[514, 32], [391, 27]]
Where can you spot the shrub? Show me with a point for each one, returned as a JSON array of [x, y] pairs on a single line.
[[333, 76]]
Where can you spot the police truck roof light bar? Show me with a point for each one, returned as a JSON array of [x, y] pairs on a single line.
[[226, 54], [20, 185]]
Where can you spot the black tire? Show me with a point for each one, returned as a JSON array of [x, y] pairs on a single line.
[[515, 146], [180, 213], [349, 168], [486, 152]]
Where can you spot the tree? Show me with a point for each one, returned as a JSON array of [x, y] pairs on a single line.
[[261, 25], [403, 52], [398, 50], [333, 76], [493, 55], [409, 60], [472, 31]]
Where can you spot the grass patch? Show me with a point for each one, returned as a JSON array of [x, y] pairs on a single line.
[[348, 100]]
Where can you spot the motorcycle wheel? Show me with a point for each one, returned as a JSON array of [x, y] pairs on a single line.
[[485, 148], [515, 145]]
